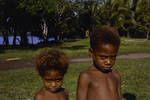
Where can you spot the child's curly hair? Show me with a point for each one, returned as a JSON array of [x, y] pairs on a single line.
[[104, 35], [51, 59]]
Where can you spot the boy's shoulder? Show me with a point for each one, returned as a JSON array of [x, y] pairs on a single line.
[[88, 73], [116, 72]]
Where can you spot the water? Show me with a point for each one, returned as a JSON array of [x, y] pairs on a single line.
[[31, 40]]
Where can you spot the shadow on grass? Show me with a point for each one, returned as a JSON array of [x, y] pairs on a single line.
[[1, 50], [129, 96], [71, 40], [77, 47]]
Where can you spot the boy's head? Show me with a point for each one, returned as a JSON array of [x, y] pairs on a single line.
[[51, 65], [105, 42], [104, 35]]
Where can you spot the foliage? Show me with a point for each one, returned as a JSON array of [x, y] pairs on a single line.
[[65, 19], [37, 6]]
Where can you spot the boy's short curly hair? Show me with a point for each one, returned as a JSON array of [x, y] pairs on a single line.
[[104, 35], [51, 59]]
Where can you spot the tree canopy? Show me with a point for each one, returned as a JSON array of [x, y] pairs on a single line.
[[60, 18]]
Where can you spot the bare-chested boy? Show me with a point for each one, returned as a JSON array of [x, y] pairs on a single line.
[[100, 81], [51, 66]]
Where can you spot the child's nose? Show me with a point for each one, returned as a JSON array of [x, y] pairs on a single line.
[[108, 61], [54, 84]]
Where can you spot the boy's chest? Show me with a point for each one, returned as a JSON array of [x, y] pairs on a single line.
[[109, 83]]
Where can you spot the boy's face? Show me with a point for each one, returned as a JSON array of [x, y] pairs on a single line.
[[53, 80], [104, 56]]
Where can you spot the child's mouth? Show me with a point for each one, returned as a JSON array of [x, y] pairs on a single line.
[[54, 90], [108, 68]]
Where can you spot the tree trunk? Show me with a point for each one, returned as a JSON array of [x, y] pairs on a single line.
[[61, 36], [44, 28], [128, 33], [24, 39], [148, 35], [5, 38], [14, 39], [134, 4]]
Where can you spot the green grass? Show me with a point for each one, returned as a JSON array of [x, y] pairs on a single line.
[[136, 77], [17, 53], [78, 48], [134, 45], [21, 84], [74, 48]]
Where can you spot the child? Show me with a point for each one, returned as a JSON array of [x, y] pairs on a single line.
[[100, 81], [52, 65]]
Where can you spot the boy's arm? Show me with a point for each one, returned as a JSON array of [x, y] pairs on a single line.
[[82, 88], [66, 95], [119, 84]]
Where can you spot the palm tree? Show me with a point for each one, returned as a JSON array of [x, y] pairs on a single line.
[[143, 16]]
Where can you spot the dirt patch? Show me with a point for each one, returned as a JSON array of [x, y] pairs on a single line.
[[13, 64], [123, 56], [21, 63], [134, 56]]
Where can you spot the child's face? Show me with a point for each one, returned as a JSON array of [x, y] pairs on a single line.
[[104, 57], [53, 80]]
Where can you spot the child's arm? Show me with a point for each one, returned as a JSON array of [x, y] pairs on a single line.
[[82, 88], [38, 96]]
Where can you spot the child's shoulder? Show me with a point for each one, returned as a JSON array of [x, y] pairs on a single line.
[[66, 93], [63, 90], [39, 95], [63, 93]]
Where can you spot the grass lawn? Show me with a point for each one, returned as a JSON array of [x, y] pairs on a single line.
[[21, 84], [78, 48]]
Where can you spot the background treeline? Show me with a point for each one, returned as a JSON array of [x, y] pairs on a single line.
[[71, 19]]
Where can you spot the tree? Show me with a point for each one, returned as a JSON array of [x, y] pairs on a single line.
[[88, 16], [143, 17], [7, 11], [61, 18]]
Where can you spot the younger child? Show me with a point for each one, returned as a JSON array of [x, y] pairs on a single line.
[[52, 65], [100, 81]]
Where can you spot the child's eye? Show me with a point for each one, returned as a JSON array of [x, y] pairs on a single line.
[[58, 80], [48, 80], [106, 57], [113, 57], [102, 57]]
